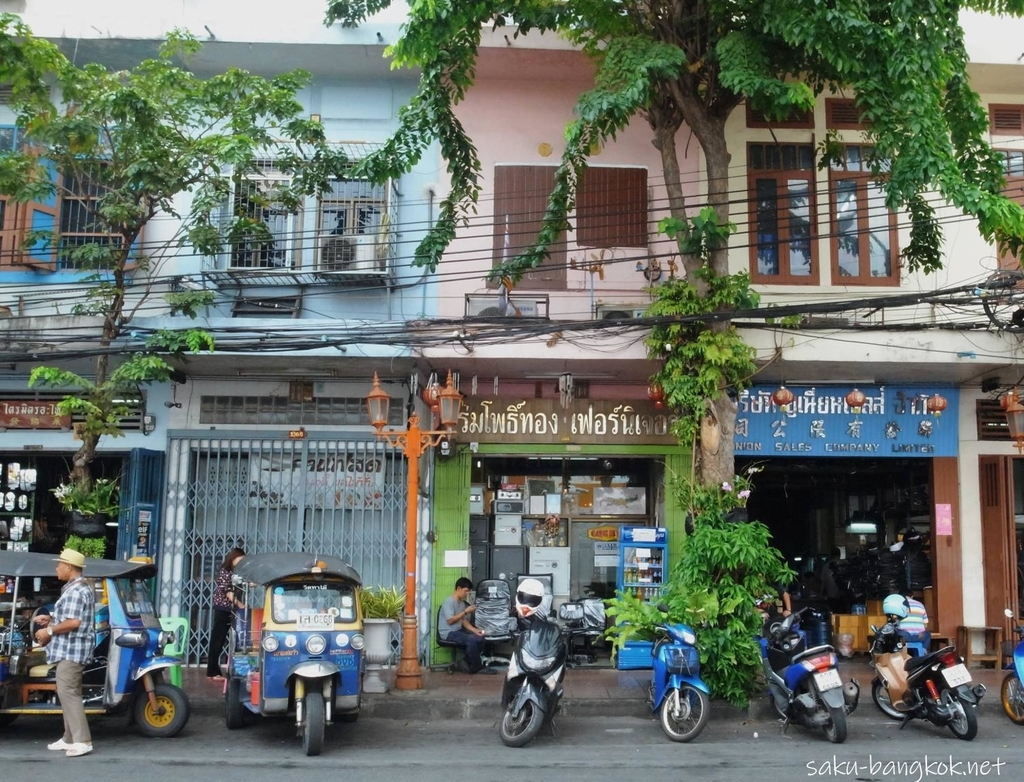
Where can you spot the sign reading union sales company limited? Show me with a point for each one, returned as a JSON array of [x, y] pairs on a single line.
[[634, 422], [31, 414], [894, 422]]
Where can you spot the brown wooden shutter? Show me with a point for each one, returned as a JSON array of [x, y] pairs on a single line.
[[520, 201], [797, 119], [611, 208], [998, 542], [843, 114], [1006, 120]]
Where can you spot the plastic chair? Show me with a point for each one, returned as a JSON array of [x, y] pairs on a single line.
[[179, 626]]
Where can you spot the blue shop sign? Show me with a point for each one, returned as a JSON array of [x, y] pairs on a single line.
[[894, 422]]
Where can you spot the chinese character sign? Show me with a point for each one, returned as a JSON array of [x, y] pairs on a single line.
[[894, 421]]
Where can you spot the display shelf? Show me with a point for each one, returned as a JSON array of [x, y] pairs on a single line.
[[17, 503]]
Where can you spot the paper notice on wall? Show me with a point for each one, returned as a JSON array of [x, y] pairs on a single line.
[[329, 483], [943, 518]]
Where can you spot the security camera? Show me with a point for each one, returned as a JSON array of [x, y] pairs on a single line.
[[172, 404]]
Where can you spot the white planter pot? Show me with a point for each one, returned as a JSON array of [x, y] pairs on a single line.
[[376, 652]]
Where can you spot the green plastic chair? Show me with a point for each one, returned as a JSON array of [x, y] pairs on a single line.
[[179, 626]]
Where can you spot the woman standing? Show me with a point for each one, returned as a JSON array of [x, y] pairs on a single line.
[[223, 612]]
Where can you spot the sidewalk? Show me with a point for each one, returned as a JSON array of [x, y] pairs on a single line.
[[589, 692]]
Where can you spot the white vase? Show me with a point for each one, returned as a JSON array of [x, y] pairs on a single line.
[[377, 651]]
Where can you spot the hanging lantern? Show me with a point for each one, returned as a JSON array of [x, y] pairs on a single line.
[[855, 400], [936, 404], [431, 394], [656, 394], [783, 397], [1010, 402]]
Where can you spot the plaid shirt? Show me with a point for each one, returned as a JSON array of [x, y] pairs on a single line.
[[76, 601]]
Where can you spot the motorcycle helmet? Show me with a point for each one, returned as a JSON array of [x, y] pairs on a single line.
[[896, 605], [529, 598]]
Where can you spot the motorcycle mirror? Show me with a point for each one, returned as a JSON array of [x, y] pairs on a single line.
[[663, 608]]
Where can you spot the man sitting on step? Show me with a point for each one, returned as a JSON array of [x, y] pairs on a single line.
[[454, 627]]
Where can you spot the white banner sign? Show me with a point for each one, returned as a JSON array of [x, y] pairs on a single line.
[[327, 482]]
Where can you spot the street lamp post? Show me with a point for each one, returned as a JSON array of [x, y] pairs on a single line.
[[413, 442]]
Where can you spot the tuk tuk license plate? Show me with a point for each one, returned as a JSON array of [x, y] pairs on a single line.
[[956, 675], [316, 621], [828, 680]]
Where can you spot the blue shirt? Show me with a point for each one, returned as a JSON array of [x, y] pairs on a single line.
[[76, 601]]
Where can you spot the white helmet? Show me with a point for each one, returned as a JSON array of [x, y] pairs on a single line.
[[529, 598]]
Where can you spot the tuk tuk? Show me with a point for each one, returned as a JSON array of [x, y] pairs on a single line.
[[298, 646], [128, 667]]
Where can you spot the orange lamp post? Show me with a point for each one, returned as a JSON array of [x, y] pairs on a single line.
[[413, 442]]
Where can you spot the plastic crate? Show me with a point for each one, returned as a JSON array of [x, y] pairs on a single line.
[[635, 655]]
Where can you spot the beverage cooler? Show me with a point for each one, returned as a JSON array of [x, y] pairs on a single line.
[[643, 568]]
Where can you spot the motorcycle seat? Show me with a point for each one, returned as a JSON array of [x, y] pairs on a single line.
[[913, 663]]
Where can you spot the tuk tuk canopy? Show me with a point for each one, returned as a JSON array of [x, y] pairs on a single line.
[[31, 564], [268, 568]]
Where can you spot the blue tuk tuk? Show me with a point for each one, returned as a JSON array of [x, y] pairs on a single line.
[[127, 672], [298, 649]]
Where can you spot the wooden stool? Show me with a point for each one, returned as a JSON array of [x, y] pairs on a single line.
[[993, 645]]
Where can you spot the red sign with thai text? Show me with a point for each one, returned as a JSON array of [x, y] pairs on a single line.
[[31, 414]]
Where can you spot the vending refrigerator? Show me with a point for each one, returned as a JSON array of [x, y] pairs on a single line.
[[643, 561], [643, 569]]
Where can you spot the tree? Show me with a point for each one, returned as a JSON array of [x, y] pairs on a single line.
[[135, 141], [692, 62]]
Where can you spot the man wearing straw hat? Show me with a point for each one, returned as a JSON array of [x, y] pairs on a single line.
[[69, 637]]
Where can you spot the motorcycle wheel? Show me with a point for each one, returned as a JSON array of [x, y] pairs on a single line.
[[835, 730], [313, 729], [880, 695], [520, 731], [233, 704], [1012, 694], [687, 721], [169, 716], [965, 720]]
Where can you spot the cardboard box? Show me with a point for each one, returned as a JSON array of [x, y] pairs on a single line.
[[874, 606]]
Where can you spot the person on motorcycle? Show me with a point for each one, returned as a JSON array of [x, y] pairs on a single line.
[[914, 628]]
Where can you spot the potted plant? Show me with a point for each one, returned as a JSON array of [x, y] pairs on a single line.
[[382, 608], [94, 548], [89, 503]]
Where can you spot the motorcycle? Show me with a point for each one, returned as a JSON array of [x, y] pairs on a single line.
[[533, 682], [1012, 691], [677, 694], [934, 687], [804, 684]]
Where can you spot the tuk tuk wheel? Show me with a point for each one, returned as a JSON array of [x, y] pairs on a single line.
[[170, 715], [313, 730], [234, 710]]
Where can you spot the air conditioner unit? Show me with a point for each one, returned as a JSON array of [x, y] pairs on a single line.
[[619, 311], [491, 307], [337, 254], [366, 252]]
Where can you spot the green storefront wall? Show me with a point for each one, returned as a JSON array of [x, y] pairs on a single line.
[[451, 507]]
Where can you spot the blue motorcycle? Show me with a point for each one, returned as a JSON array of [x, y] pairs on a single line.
[[677, 694], [1012, 691]]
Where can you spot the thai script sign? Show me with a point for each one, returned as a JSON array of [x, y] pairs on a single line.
[[328, 482], [636, 422], [605, 533], [893, 422], [31, 414]]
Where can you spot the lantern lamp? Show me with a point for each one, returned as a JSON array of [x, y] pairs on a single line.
[[855, 400], [783, 397], [936, 404], [1014, 417]]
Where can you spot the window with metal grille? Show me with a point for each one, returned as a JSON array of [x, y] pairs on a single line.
[[332, 411], [864, 237], [353, 227], [264, 232], [1006, 119], [83, 243], [781, 186], [991, 420]]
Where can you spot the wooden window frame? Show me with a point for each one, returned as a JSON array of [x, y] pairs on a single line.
[[861, 178], [611, 207], [67, 199], [781, 176], [838, 111]]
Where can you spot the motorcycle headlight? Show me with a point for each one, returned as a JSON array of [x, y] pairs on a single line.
[[358, 642], [532, 663], [316, 644], [688, 637], [270, 643], [341, 639]]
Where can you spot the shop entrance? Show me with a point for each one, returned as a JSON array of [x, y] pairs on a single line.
[[1001, 487], [559, 518]]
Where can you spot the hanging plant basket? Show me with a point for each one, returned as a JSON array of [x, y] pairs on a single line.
[[88, 526]]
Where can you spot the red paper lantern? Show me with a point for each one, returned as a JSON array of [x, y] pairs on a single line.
[[431, 394], [783, 397], [936, 404], [656, 393], [855, 400]]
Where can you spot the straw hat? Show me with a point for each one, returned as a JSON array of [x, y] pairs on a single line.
[[71, 557]]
